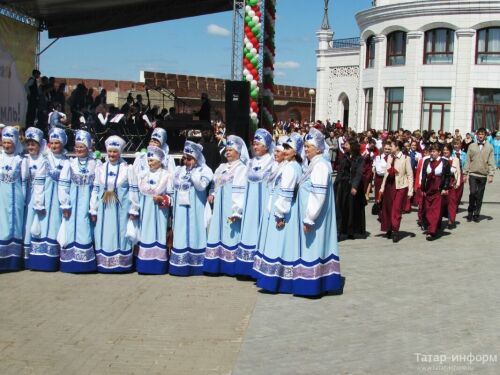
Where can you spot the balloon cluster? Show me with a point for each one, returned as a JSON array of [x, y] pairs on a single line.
[[268, 71], [251, 50]]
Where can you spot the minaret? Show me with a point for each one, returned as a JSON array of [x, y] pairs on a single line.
[[325, 37], [325, 33]]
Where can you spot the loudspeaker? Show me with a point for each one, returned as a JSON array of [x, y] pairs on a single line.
[[238, 108]]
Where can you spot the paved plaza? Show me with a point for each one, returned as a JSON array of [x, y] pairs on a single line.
[[409, 308]]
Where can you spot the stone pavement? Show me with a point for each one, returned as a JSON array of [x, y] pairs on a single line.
[[402, 305]]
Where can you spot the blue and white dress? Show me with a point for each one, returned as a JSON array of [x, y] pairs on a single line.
[[13, 179], [190, 233], [152, 257], [75, 187], [317, 270], [45, 251], [230, 181], [35, 199], [113, 248], [278, 249], [256, 199]]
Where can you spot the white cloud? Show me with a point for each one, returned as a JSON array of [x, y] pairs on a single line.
[[279, 73], [217, 30], [287, 65]]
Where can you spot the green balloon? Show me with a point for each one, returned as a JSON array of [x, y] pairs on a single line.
[[254, 94], [254, 61], [255, 30], [97, 154], [143, 151], [251, 24], [253, 2], [249, 56], [248, 19]]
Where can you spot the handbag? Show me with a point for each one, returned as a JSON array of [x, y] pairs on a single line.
[[376, 208]]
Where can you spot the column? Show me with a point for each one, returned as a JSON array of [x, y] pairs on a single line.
[[413, 93], [378, 87], [463, 94]]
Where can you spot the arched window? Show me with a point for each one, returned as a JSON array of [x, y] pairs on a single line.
[[396, 48], [370, 52], [439, 45], [488, 46]]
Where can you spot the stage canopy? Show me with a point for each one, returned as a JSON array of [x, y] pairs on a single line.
[[76, 17]]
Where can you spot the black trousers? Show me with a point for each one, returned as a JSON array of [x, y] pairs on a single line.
[[476, 187], [31, 112]]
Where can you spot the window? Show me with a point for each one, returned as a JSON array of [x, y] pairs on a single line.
[[486, 109], [394, 108], [439, 46], [436, 105], [396, 48], [488, 46], [370, 52], [368, 108]]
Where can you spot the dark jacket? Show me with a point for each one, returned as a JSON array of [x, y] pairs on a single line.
[[445, 176]]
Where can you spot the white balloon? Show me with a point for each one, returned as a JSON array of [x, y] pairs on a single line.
[[251, 13], [248, 8], [249, 45], [253, 51], [253, 116], [253, 83], [245, 72], [255, 19], [249, 77]]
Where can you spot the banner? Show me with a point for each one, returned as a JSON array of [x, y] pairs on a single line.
[[17, 60]]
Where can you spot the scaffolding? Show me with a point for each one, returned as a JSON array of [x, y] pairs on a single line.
[[237, 40]]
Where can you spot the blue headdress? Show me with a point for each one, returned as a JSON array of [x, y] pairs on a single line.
[[155, 153], [237, 144], [58, 134], [115, 143], [194, 150], [10, 133], [264, 137], [84, 138], [35, 134]]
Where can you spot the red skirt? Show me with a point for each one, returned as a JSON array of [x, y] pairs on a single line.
[[393, 203], [433, 204]]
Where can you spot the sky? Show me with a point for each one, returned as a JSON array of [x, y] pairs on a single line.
[[199, 45]]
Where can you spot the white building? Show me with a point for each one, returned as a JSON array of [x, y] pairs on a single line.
[[426, 64]]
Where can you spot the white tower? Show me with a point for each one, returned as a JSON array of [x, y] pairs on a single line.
[[325, 37]]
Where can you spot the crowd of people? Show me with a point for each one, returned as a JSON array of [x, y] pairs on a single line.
[[269, 217], [401, 170], [276, 217], [84, 109]]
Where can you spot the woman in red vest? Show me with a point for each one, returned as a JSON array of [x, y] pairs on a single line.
[[435, 184]]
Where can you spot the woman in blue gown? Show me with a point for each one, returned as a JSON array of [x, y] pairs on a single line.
[[279, 242], [317, 270], [45, 251], [256, 196], [75, 187], [228, 197], [190, 233], [36, 211], [154, 185], [113, 202], [13, 176]]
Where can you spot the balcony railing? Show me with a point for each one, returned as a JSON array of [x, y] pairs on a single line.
[[346, 43]]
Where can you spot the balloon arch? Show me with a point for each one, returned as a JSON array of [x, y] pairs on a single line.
[[260, 16]]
